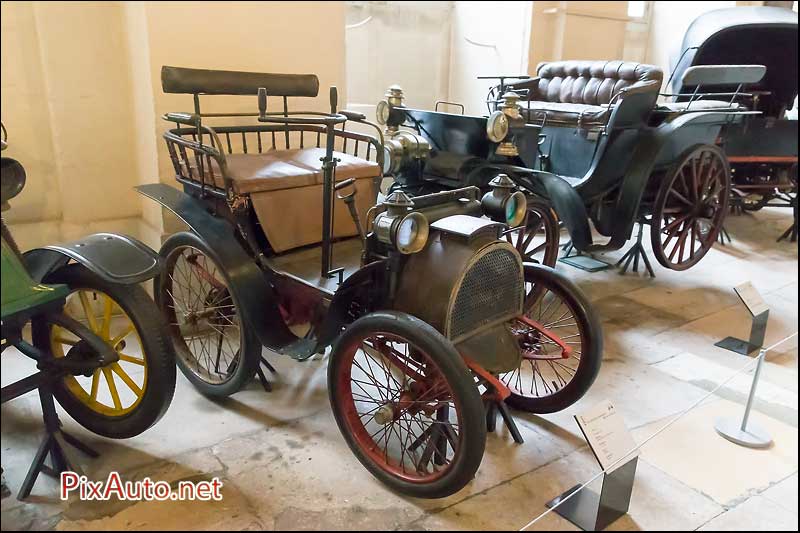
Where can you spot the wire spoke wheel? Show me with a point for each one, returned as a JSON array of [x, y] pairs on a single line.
[[545, 380], [404, 413], [401, 409], [214, 349], [690, 208], [201, 315], [537, 238]]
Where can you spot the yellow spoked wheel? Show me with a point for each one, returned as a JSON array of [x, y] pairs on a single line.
[[126, 397], [118, 388]]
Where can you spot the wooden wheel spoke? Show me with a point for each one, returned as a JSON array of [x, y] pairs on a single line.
[[87, 309], [130, 328], [131, 359], [95, 385], [108, 309], [127, 379], [112, 387]]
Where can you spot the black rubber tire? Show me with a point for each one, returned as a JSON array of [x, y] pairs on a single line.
[[139, 307], [460, 379], [591, 338], [249, 343]]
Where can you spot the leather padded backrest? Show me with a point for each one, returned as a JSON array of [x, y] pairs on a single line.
[[591, 82], [201, 81]]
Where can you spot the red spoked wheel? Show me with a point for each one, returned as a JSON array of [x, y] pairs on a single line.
[[690, 207], [407, 405], [561, 343]]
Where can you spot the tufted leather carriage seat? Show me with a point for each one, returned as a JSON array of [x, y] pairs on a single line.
[[583, 93]]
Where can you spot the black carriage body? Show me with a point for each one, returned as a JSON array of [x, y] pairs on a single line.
[[762, 150], [606, 171]]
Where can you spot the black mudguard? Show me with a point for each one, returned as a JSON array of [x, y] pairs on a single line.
[[568, 205], [114, 258], [368, 279], [256, 295]]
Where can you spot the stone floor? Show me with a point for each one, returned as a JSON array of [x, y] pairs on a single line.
[[285, 466]]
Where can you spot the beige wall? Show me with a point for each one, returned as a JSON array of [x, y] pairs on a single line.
[[81, 96], [488, 39], [585, 30], [670, 22]]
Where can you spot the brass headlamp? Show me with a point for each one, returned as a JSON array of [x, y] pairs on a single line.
[[405, 230], [389, 111], [501, 122], [504, 203]]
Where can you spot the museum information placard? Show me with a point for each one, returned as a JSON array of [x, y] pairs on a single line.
[[609, 439]]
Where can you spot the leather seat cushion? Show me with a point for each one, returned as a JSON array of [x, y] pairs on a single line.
[[567, 114], [590, 82], [287, 169]]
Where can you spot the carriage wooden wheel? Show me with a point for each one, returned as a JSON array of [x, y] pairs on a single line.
[[690, 207], [537, 238]]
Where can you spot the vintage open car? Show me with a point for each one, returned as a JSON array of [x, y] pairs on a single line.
[[590, 139], [761, 150], [432, 317]]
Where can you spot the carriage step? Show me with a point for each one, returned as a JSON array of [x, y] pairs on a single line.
[[301, 349]]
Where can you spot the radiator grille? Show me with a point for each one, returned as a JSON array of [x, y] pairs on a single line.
[[491, 290]]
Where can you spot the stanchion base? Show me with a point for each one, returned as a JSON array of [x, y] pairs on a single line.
[[754, 437], [737, 345], [591, 511]]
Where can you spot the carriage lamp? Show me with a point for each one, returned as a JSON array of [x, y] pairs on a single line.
[[398, 226], [502, 121], [504, 203], [389, 111]]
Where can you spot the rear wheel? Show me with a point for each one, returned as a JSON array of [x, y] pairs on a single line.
[[215, 349], [124, 398], [407, 405], [546, 381], [690, 207]]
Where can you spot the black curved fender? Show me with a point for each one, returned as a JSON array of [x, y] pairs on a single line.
[[256, 296], [568, 205], [115, 258], [366, 279]]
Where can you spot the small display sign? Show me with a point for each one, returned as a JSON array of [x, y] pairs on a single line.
[[609, 439], [751, 298]]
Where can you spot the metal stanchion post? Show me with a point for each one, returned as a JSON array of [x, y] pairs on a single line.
[[747, 433]]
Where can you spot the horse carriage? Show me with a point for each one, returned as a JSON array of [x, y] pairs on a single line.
[[435, 321], [761, 150], [590, 140], [99, 347]]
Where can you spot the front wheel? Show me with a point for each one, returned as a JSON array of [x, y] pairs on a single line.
[[124, 398], [546, 381], [407, 405]]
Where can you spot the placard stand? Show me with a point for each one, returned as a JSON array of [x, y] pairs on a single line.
[[746, 433], [594, 512], [759, 313]]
